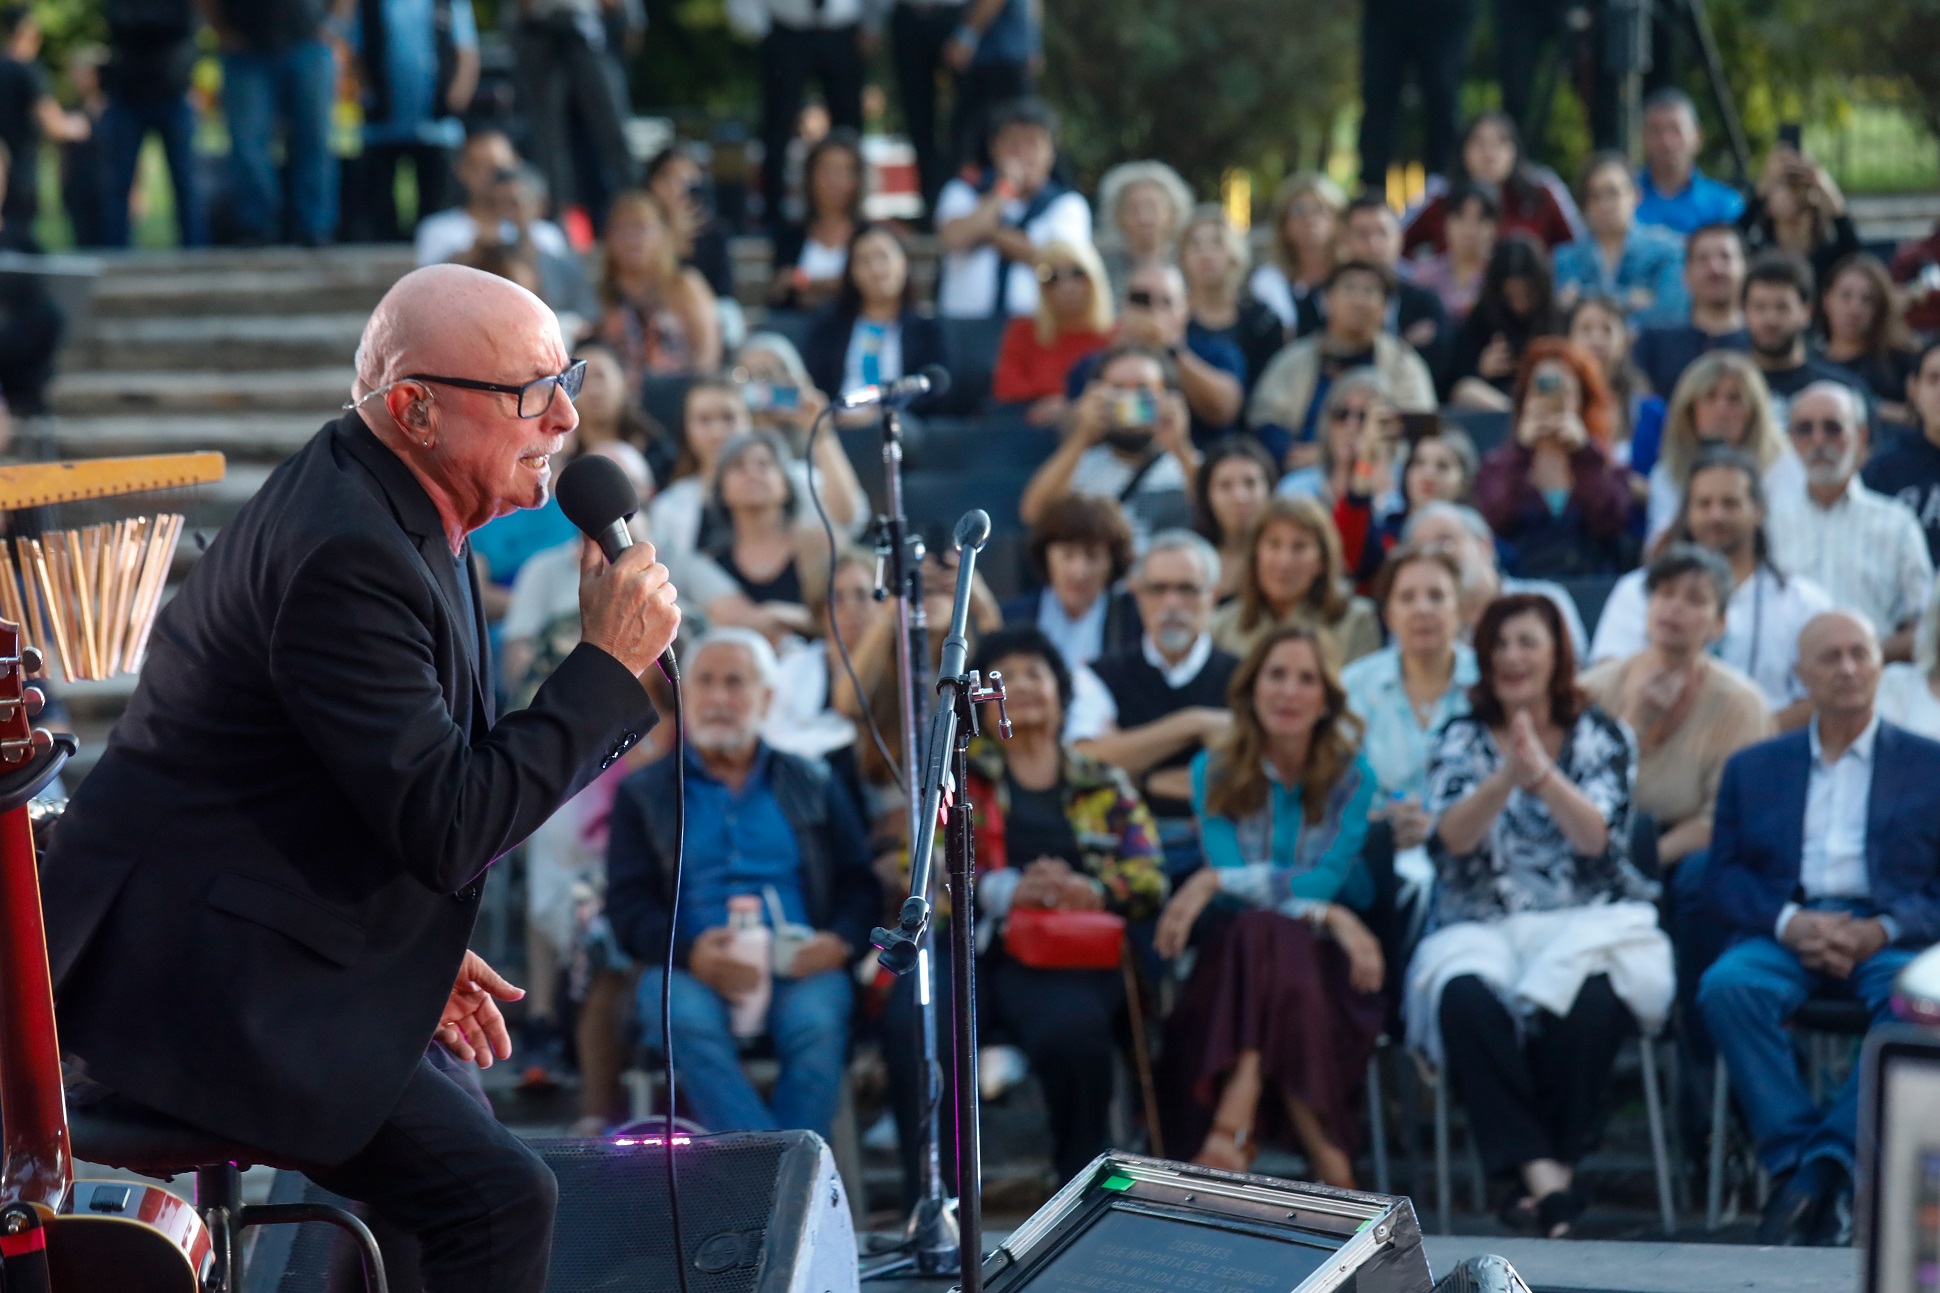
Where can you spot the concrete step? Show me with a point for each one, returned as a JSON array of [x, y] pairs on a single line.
[[1897, 217], [196, 389], [395, 258], [229, 342], [244, 437], [352, 287]]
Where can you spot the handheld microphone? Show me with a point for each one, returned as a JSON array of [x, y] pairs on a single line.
[[933, 379], [599, 500]]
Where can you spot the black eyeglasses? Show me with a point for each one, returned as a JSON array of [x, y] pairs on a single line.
[[535, 396]]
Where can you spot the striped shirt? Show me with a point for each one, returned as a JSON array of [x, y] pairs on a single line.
[[1866, 550]]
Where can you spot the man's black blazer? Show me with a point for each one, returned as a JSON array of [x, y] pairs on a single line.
[[259, 899]]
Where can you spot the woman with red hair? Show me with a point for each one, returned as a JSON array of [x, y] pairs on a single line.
[[1554, 495]]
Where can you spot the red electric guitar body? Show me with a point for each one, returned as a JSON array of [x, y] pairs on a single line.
[[101, 1236]]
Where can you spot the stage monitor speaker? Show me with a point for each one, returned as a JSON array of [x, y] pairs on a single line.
[[760, 1212], [1140, 1225]]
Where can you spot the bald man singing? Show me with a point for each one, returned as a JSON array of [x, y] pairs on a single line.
[[259, 902]]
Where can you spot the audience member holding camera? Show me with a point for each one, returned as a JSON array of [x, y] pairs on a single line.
[[486, 156], [1128, 437], [1797, 208], [1553, 494], [1211, 369], [988, 230], [1273, 1031]]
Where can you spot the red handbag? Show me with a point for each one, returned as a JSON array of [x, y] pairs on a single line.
[[1044, 938]]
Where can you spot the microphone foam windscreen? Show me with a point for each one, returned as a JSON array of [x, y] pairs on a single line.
[[594, 492], [939, 377]]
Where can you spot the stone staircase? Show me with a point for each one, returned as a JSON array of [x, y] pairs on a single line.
[[245, 352]]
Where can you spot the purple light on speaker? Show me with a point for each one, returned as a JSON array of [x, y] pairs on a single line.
[[627, 1142]]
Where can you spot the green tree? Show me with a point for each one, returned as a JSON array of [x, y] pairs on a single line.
[[1202, 84]]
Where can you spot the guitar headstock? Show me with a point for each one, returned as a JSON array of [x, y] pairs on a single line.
[[18, 739]]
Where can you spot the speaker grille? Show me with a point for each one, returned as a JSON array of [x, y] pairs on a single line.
[[615, 1229]]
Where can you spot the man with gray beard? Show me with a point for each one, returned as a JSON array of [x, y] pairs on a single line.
[[1865, 549], [760, 823], [1169, 695]]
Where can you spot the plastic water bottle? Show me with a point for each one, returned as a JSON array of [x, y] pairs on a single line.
[[753, 944]]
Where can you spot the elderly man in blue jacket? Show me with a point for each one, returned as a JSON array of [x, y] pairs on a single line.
[[1825, 870]]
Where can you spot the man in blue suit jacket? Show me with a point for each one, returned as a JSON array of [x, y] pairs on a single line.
[[1825, 873]]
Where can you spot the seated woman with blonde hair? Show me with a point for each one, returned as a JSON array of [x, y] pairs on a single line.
[[1073, 321], [1285, 994]]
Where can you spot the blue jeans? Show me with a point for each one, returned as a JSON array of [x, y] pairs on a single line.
[[1746, 996], [808, 1020], [298, 84], [124, 126]]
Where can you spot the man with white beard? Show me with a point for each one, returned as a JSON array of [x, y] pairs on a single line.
[[1865, 549], [1169, 696], [760, 823]]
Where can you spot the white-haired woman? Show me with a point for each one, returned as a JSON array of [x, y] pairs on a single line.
[[1306, 233], [1073, 321], [1721, 399], [1144, 205], [1213, 259]]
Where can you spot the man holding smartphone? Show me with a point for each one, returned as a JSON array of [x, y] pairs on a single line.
[[1128, 438]]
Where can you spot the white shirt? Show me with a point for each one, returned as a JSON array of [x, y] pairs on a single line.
[[1866, 550], [1784, 480], [675, 513], [1101, 471], [1832, 862], [968, 286], [1905, 699], [800, 720], [451, 233], [1761, 628], [1079, 639], [1270, 288]]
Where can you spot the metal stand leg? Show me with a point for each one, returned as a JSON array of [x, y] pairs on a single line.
[[1720, 1128], [1377, 1122], [1443, 1186], [1659, 1151], [284, 1214]]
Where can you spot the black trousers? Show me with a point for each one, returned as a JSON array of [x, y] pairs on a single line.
[[1541, 1094], [567, 85], [916, 41], [790, 58], [479, 1200], [1431, 38], [1065, 1021], [981, 87], [370, 199]]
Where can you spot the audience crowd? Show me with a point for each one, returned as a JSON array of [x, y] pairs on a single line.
[[1502, 626]]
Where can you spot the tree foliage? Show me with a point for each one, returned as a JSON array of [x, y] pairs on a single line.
[[1201, 84]]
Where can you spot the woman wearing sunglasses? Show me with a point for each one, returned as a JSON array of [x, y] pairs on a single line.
[[1073, 321]]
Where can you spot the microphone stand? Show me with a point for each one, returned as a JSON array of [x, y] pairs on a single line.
[[930, 1239], [946, 771]]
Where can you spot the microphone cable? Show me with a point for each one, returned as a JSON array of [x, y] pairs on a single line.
[[671, 671], [867, 710]]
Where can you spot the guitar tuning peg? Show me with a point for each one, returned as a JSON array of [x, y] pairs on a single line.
[[31, 660]]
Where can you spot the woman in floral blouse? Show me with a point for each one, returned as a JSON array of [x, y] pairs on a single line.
[[1055, 830], [1545, 951], [1284, 998]]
